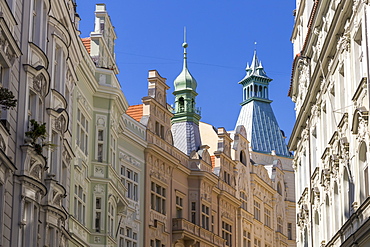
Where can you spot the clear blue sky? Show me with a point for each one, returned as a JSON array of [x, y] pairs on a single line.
[[221, 36]]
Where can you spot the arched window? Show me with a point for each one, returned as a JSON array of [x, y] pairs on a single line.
[[255, 90], [181, 104], [243, 158], [363, 173], [260, 91]]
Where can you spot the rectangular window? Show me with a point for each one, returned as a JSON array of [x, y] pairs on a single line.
[[243, 198], [205, 217], [158, 198], [111, 215], [290, 234], [80, 204], [267, 217], [257, 242], [279, 225], [82, 132], [257, 210], [227, 233], [193, 212], [179, 207], [113, 151], [247, 242], [132, 184]]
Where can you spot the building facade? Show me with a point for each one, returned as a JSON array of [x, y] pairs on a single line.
[[72, 161], [331, 136], [106, 180], [79, 167], [208, 187]]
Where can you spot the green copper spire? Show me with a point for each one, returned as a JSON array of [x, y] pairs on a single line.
[[185, 93], [185, 80], [256, 82], [185, 120]]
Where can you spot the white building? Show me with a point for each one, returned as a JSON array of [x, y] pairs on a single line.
[[331, 135]]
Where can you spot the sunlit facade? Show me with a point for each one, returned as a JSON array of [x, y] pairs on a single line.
[[331, 135]]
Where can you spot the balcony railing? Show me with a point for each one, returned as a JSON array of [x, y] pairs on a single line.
[[195, 232]]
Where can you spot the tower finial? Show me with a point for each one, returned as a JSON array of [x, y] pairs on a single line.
[[185, 45], [255, 45]]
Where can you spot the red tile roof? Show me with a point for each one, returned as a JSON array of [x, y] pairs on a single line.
[[135, 111], [87, 44]]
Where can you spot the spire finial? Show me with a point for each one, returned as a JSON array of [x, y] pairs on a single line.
[[185, 45], [255, 45]]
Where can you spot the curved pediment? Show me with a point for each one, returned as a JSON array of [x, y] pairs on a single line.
[[360, 114]]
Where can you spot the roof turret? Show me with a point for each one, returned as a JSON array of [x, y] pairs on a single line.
[[185, 80]]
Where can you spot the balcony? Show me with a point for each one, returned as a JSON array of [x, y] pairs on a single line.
[[189, 232]]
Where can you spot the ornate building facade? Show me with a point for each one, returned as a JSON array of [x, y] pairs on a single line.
[[79, 167], [208, 187], [72, 161], [331, 136], [109, 147]]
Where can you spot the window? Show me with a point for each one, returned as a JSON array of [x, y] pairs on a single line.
[[364, 173], [213, 222], [35, 106], [38, 21], [159, 130], [132, 180], [227, 233], [55, 155], [267, 217], [193, 212], [158, 198], [243, 198], [179, 207], [227, 178], [257, 242], [59, 70], [128, 237], [279, 225], [113, 151], [156, 243], [181, 105], [205, 217], [290, 234], [100, 143], [111, 213], [247, 242], [30, 219], [82, 132], [257, 210], [243, 158], [80, 204]]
